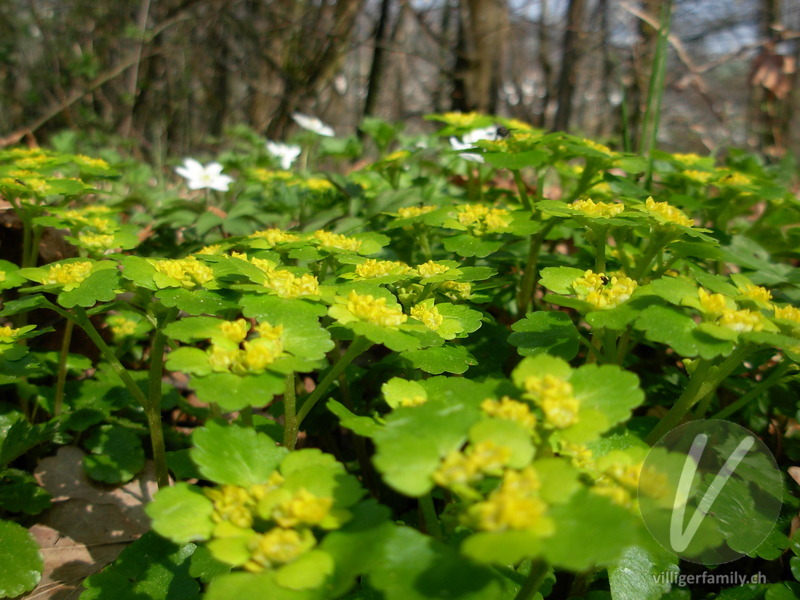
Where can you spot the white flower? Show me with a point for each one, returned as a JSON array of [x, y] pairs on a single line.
[[286, 152], [468, 141], [313, 124], [200, 177]]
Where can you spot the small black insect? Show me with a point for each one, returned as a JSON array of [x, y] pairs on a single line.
[[604, 279], [503, 132]]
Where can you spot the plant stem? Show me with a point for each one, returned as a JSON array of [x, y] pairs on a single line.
[[290, 423], [429, 517], [357, 347], [246, 415], [536, 576], [773, 378], [521, 189], [704, 380], [63, 356], [530, 276]]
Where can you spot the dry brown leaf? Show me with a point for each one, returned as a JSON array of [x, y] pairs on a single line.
[[88, 524]]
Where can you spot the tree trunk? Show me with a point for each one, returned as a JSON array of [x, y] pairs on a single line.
[[376, 68], [571, 54]]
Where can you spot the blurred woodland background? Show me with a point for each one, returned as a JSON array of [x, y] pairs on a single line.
[[170, 75]]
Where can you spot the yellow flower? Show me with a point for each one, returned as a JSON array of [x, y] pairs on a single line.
[[741, 320], [279, 546], [429, 315], [319, 185], [456, 470], [414, 211], [88, 161], [590, 208], [70, 275], [599, 147], [287, 285], [304, 508], [688, 159], [580, 456], [515, 505], [789, 313], [483, 219], [336, 240], [555, 397], [368, 308], [757, 293], [209, 250], [232, 503], [7, 332], [372, 268], [510, 410], [456, 290], [408, 401], [121, 327], [668, 213], [276, 236], [268, 176], [698, 176], [96, 241], [735, 178], [189, 272], [235, 331], [431, 269], [713, 304], [602, 291], [458, 119], [222, 358]]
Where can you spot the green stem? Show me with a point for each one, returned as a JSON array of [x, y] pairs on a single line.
[[610, 346], [599, 243], [522, 190], [704, 380], [656, 245], [246, 415], [358, 346], [530, 276], [429, 516], [773, 378], [61, 379], [536, 576], [422, 238], [290, 423]]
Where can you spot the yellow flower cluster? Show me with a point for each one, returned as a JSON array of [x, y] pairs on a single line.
[[276, 236], [459, 119], [336, 240], [668, 213], [757, 293], [510, 410], [407, 401], [372, 268], [374, 310], [599, 147], [736, 178], [286, 515], [121, 326], [96, 241], [70, 275], [698, 176], [789, 313], [461, 469], [88, 161], [555, 397], [319, 185], [189, 272], [603, 291], [254, 356], [429, 315], [268, 176], [580, 456], [431, 269], [515, 505], [288, 285], [724, 311], [456, 290], [414, 211], [688, 159], [590, 208], [8, 332], [483, 219]]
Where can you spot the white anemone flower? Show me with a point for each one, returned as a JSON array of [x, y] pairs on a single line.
[[468, 140], [201, 177], [287, 153], [313, 124]]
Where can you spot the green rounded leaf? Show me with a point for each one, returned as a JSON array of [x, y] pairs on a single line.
[[235, 455], [20, 558], [181, 513], [116, 454]]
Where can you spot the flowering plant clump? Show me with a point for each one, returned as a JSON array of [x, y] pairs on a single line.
[[408, 380]]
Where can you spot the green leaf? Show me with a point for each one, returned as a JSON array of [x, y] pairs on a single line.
[[100, 286], [116, 454], [548, 332], [441, 359], [467, 245], [517, 160], [641, 576], [19, 492], [590, 531], [181, 513], [415, 567], [205, 567], [559, 279], [322, 475], [307, 572], [508, 434], [504, 547], [234, 392], [199, 302], [20, 558], [669, 326], [262, 586], [398, 391], [363, 426], [151, 568], [21, 437], [235, 455], [188, 360], [607, 389]]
